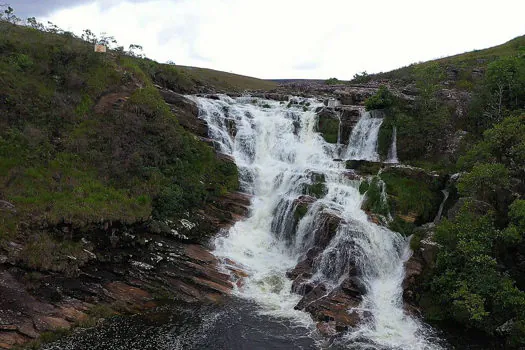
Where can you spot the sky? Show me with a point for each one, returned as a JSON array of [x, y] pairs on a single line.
[[291, 38]]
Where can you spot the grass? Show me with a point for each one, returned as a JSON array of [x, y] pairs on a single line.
[[64, 161], [464, 63], [226, 81], [414, 195]]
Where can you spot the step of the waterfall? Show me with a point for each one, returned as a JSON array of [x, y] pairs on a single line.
[[392, 151], [363, 139], [278, 153]]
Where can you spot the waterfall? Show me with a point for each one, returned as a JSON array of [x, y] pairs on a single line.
[[279, 154], [392, 151], [437, 219], [363, 139]]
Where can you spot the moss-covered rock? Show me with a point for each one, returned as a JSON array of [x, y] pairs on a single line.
[[375, 201], [328, 125], [364, 167], [413, 194]]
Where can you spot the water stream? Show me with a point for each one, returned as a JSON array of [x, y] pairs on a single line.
[[363, 139], [279, 154]]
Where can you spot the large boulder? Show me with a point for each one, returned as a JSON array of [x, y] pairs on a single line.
[[335, 305]]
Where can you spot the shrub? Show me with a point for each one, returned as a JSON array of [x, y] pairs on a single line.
[[483, 181], [382, 99]]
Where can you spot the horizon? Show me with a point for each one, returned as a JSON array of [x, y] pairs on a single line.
[[294, 40]]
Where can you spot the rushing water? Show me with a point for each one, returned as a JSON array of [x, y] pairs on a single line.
[[392, 151], [279, 153], [363, 140]]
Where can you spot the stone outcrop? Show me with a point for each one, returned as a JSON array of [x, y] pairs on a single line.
[[349, 116], [330, 307], [120, 267], [186, 111], [128, 277]]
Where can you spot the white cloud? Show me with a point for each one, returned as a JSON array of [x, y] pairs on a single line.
[[300, 39]]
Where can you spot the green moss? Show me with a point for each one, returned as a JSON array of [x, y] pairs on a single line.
[[329, 129], [402, 226], [412, 193], [300, 211], [374, 201], [47, 254], [364, 167], [363, 187], [317, 190]]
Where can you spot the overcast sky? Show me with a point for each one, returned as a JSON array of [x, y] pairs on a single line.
[[291, 38]]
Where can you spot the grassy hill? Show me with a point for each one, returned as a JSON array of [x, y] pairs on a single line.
[[463, 69], [86, 138], [225, 81]]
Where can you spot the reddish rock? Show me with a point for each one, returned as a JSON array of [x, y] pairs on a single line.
[[49, 323], [327, 328]]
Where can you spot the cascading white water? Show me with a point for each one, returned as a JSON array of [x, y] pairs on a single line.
[[363, 139], [392, 151], [278, 153]]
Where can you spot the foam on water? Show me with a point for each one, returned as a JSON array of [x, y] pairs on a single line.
[[278, 153]]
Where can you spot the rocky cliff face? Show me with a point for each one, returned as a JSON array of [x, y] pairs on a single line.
[[120, 268]]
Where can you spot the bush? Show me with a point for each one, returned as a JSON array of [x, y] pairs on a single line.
[[332, 81], [467, 281], [483, 181], [382, 99]]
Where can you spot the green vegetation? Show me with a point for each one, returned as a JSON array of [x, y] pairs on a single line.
[[382, 99], [329, 129], [300, 211], [463, 68], [478, 280], [364, 167], [413, 195], [86, 138], [421, 126], [375, 197], [332, 81]]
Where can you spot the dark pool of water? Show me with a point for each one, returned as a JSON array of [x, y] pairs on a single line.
[[233, 325]]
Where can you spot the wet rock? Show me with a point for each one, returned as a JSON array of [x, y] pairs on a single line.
[[327, 329], [413, 269], [331, 306], [328, 124], [364, 167], [327, 229], [349, 116]]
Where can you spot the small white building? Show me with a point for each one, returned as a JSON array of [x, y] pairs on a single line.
[[100, 48]]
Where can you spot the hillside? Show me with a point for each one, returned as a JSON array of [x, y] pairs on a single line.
[[102, 162], [462, 70], [110, 186]]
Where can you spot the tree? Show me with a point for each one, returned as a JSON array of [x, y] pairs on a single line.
[[89, 36], [428, 80], [382, 99], [10, 15], [33, 23], [107, 40], [135, 50], [505, 79], [484, 180]]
